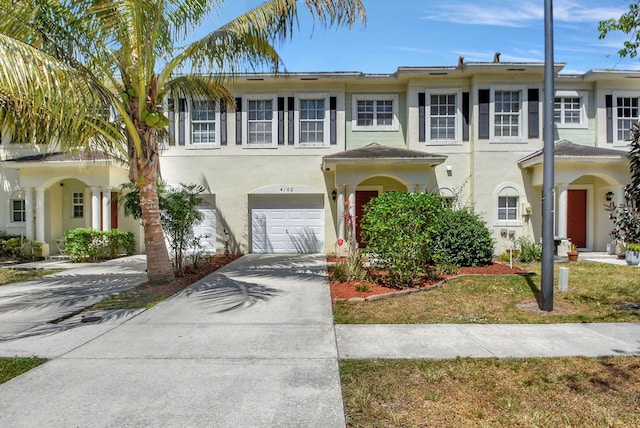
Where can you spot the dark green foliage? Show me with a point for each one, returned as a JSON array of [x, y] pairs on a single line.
[[178, 213], [463, 240], [628, 23], [21, 248], [529, 251], [399, 228], [88, 245]]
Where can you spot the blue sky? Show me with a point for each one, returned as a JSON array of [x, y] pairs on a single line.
[[435, 33]]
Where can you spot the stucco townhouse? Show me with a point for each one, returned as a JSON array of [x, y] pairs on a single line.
[[299, 149]]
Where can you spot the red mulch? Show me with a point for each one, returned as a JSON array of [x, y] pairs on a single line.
[[347, 290]]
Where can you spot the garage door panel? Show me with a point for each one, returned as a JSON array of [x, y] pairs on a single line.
[[287, 225]]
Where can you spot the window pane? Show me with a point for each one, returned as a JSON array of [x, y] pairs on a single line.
[[442, 111], [203, 125], [77, 204], [18, 211], [260, 113], [312, 121], [507, 208], [627, 110], [507, 114]]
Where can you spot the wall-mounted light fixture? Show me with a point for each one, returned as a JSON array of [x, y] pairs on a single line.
[[609, 196], [449, 169], [334, 194]]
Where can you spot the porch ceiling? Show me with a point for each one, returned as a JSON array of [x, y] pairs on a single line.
[[375, 153], [566, 151]]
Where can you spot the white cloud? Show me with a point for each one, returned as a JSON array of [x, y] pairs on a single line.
[[514, 13]]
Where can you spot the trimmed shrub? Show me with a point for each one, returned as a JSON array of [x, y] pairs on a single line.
[[399, 228], [463, 240], [22, 248], [529, 251], [88, 245]]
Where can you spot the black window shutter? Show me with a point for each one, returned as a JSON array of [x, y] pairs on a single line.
[[609, 106], [238, 121], [465, 116], [333, 107], [421, 117], [291, 107], [533, 96], [171, 113], [182, 117], [484, 98], [280, 120], [223, 124]]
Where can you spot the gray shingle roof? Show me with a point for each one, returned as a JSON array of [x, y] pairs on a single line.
[[378, 151], [567, 149]]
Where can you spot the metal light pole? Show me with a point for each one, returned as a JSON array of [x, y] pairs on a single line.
[[546, 297]]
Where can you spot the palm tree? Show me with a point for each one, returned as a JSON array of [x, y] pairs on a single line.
[[70, 66]]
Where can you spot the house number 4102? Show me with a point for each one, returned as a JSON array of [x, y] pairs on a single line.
[[286, 189]]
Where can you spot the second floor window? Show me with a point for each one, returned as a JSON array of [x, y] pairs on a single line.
[[626, 116], [77, 205], [260, 122], [442, 117], [203, 123], [375, 113], [18, 211], [312, 120], [507, 114], [567, 110]]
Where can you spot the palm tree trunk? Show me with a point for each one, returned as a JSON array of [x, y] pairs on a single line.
[[159, 269]]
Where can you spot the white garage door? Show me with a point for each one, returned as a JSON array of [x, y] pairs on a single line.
[[292, 224], [207, 229]]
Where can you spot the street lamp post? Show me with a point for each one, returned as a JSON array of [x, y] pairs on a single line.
[[546, 295]]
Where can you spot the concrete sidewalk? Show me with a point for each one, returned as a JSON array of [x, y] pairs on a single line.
[[251, 345]]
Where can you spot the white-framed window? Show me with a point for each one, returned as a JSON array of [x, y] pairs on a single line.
[[570, 109], [375, 112], [312, 120], [259, 121], [205, 117], [508, 114], [18, 211], [77, 205], [443, 116], [507, 205], [625, 114]]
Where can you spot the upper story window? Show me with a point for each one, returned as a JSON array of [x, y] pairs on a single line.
[[203, 124], [570, 109], [77, 205], [18, 211], [626, 112], [375, 113], [259, 123], [444, 117], [313, 121], [507, 114]]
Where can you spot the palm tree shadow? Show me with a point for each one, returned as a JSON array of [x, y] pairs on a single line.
[[220, 294], [92, 318]]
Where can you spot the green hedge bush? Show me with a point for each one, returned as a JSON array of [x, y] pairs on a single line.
[[463, 240], [399, 228], [22, 248], [88, 245]]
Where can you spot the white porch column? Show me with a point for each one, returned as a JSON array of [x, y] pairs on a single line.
[[39, 214], [106, 209], [95, 208], [352, 210], [28, 212], [562, 209], [340, 211]]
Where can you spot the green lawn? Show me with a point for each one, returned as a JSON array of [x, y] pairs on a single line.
[[12, 367], [597, 293], [8, 276], [543, 392]]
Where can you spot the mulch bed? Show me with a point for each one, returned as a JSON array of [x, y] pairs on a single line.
[[348, 290]]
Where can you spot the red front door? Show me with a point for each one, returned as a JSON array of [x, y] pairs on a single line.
[[362, 197], [577, 217]]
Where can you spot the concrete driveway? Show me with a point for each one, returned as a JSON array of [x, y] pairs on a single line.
[[252, 345]]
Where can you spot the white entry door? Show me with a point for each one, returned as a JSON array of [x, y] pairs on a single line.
[[292, 224]]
